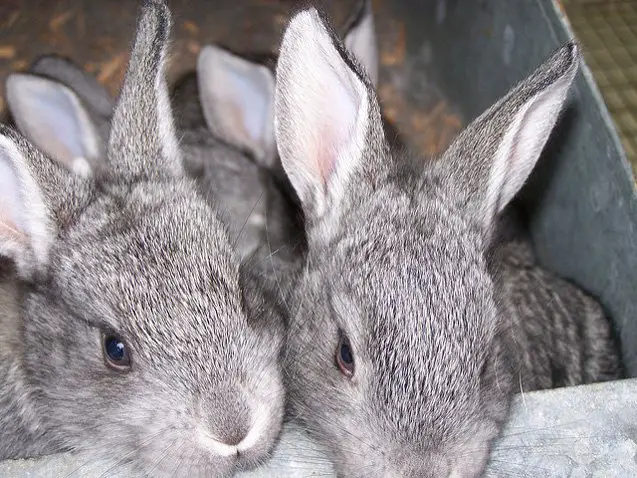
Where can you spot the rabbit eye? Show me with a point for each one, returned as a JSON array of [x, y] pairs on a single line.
[[345, 357], [115, 352]]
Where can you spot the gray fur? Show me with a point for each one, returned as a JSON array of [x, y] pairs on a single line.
[[257, 209], [132, 250], [561, 334], [397, 263], [260, 214]]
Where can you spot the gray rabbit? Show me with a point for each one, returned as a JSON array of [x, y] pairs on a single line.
[[132, 332], [403, 344]]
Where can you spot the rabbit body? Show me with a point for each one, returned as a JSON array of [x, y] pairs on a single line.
[[560, 334]]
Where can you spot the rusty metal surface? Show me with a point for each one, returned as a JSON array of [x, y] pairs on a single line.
[[97, 35]]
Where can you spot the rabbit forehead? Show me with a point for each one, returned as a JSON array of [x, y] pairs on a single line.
[[159, 268], [422, 300], [422, 262], [421, 344]]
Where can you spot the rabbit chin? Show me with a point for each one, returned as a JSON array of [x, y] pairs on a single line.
[[202, 454], [196, 451], [465, 456]]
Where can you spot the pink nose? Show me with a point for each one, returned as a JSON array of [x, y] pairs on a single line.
[[233, 437]]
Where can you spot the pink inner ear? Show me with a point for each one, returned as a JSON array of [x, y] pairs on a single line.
[[236, 120], [326, 154], [331, 142], [9, 230]]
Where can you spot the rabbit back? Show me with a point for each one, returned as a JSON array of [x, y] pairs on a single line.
[[560, 334]]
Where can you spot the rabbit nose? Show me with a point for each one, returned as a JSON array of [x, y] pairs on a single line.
[[223, 423], [233, 436], [224, 442], [231, 426]]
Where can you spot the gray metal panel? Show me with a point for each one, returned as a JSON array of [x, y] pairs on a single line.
[[581, 199], [568, 432]]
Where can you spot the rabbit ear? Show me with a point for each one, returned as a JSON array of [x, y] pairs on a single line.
[[84, 85], [52, 117], [492, 158], [237, 99], [34, 193], [324, 112], [360, 39], [142, 141]]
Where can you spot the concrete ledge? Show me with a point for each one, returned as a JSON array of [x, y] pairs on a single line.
[[585, 431]]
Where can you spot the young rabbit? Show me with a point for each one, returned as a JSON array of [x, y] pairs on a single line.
[[402, 356], [135, 335]]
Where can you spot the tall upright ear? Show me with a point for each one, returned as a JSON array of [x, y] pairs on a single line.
[[52, 117], [83, 84], [142, 140], [237, 98], [35, 195], [324, 114], [492, 158], [360, 39]]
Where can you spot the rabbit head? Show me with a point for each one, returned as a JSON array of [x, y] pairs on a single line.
[[395, 359], [144, 340]]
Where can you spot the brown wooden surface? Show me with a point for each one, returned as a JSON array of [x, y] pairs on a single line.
[[97, 34]]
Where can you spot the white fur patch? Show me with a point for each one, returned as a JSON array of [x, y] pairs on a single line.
[[25, 218], [260, 423], [167, 136], [81, 167], [207, 441]]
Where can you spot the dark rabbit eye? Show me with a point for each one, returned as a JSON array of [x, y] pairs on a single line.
[[115, 352], [345, 357]]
